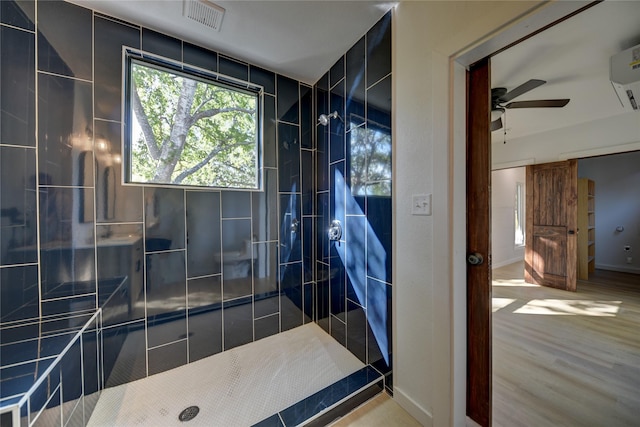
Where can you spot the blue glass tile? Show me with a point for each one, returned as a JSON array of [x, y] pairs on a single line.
[[167, 357], [200, 57], [65, 131], [266, 304], [357, 331], [114, 202], [307, 408], [120, 272], [308, 179], [69, 305], [166, 327], [161, 44], [31, 349], [110, 36], [336, 126], [54, 38], [238, 322], [379, 50], [44, 391], [323, 83], [264, 78], [71, 369], [379, 325], [322, 160], [203, 233], [307, 122], [288, 158], [63, 260], [356, 261], [291, 303], [264, 208], [270, 144], [379, 237], [122, 367], [19, 379], [233, 68], [236, 204], [164, 215], [18, 294], [337, 279], [308, 258], [272, 421], [322, 226], [379, 107], [355, 84], [265, 278], [288, 100], [337, 72], [165, 281], [338, 190], [339, 330], [322, 103], [205, 323], [309, 302], [323, 284], [91, 361], [290, 228], [19, 13], [17, 95], [18, 204], [237, 258], [267, 326]]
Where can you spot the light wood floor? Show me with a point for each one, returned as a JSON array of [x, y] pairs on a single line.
[[566, 359], [380, 411]]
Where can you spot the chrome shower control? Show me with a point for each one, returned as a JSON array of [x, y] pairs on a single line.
[[335, 230]]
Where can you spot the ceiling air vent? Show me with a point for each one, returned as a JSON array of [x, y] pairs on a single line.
[[204, 12]]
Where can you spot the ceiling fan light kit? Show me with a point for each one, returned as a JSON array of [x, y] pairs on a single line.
[[501, 97]]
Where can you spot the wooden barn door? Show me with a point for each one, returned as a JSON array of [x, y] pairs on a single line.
[[551, 224]]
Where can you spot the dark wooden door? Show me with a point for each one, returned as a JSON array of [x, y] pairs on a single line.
[[479, 242], [551, 224]]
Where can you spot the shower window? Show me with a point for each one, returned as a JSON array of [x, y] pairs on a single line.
[[189, 127]]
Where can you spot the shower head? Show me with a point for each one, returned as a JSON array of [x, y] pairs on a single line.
[[324, 118]]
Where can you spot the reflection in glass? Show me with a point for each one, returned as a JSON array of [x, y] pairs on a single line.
[[370, 161]]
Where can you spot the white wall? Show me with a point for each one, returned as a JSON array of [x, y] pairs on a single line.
[[610, 135], [503, 190], [617, 183], [429, 262]]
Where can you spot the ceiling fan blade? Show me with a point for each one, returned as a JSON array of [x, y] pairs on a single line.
[[496, 124], [539, 103], [523, 88]]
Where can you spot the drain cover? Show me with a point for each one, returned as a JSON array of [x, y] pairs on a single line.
[[189, 413]]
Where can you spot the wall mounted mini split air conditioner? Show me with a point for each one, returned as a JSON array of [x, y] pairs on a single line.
[[625, 77]]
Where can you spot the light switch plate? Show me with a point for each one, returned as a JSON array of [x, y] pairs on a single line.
[[421, 204]]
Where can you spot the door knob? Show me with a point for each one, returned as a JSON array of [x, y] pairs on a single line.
[[475, 258]]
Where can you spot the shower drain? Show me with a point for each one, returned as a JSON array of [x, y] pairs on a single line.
[[189, 413]]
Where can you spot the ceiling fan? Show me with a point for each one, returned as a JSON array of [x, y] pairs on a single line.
[[500, 96]]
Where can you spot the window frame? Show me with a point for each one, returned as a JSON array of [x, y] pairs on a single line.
[[519, 215], [172, 66]]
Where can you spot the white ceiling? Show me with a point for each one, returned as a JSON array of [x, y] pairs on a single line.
[[573, 57], [299, 39]]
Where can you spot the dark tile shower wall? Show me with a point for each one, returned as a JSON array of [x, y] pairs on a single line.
[[180, 274], [354, 186]]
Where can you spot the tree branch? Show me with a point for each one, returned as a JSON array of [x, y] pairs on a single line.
[[215, 111], [149, 137], [178, 179]]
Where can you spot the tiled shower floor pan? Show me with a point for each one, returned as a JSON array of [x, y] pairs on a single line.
[[238, 387]]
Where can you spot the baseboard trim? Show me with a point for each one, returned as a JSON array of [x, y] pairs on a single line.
[[414, 409], [632, 270], [506, 262]]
